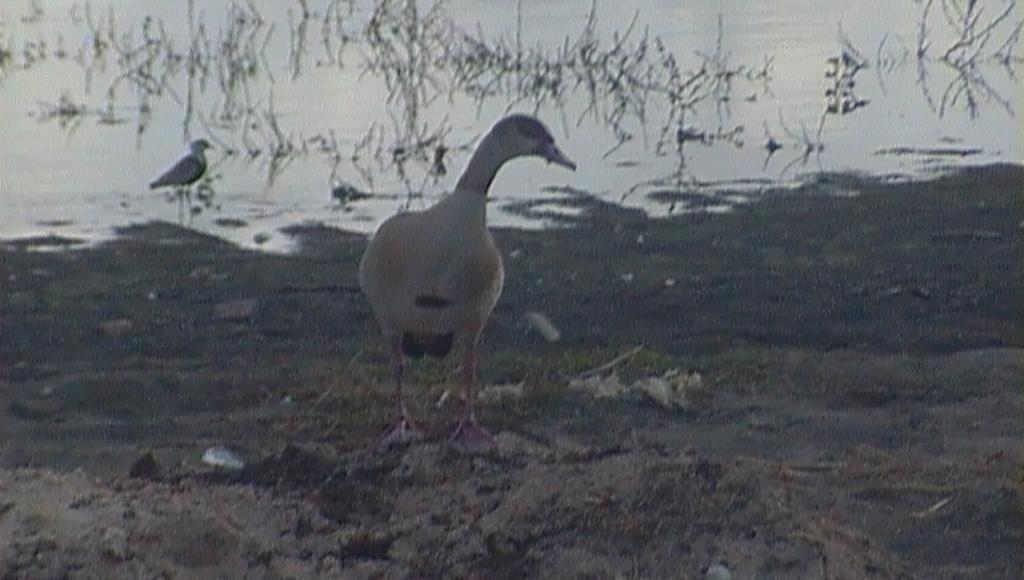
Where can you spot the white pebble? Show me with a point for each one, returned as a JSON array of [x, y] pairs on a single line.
[[544, 326], [718, 572], [222, 457]]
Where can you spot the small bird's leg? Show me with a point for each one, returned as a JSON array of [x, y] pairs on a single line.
[[468, 432], [404, 429], [188, 204], [397, 369], [180, 194]]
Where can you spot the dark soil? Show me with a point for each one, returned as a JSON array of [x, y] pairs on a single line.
[[858, 415]]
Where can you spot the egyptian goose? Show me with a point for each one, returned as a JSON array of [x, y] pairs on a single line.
[[433, 276], [186, 170]]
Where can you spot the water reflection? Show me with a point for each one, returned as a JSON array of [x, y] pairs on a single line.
[[978, 37], [657, 112]]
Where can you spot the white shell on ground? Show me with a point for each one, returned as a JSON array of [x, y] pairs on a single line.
[[222, 457]]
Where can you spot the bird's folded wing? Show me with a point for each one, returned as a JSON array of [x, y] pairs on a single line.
[[471, 280], [185, 171], [409, 262]]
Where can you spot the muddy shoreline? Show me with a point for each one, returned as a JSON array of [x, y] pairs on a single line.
[[858, 415]]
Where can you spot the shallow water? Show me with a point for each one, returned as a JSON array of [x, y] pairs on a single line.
[[303, 98]]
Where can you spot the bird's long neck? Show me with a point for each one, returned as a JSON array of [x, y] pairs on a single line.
[[482, 167]]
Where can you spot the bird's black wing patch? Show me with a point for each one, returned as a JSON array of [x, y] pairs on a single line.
[[429, 301]]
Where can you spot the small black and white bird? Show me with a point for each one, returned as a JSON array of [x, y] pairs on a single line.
[[186, 170]]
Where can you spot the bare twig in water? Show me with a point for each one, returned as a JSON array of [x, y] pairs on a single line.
[[218, 81], [974, 34]]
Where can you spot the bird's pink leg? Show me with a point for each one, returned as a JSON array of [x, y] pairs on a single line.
[[469, 433], [404, 429]]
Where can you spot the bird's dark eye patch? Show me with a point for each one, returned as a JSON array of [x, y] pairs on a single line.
[[428, 301]]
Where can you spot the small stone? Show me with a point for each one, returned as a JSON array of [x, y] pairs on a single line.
[[345, 193], [235, 310], [222, 457], [35, 409], [145, 467], [22, 301], [116, 328], [495, 393], [114, 544], [718, 572], [228, 222], [445, 395], [202, 274], [543, 325], [673, 390]]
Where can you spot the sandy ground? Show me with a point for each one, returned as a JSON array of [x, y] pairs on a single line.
[[841, 383]]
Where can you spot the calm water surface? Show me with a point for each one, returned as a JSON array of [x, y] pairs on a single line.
[[343, 112]]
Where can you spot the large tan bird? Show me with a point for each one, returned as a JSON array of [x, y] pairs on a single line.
[[433, 276]]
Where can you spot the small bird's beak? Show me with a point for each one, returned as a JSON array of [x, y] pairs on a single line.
[[553, 154]]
